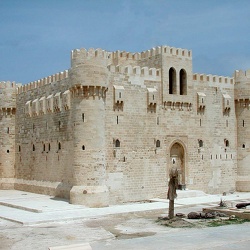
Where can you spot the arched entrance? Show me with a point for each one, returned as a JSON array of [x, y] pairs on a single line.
[[177, 160]]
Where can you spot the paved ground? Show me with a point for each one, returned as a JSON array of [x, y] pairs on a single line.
[[32, 221]]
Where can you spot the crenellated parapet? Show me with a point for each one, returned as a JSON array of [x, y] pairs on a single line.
[[242, 87], [135, 70], [242, 76], [90, 53], [8, 97], [83, 55], [159, 50], [44, 81], [8, 84], [213, 79]]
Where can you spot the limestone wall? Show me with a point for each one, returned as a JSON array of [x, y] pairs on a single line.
[[44, 138], [242, 102], [109, 130], [7, 133]]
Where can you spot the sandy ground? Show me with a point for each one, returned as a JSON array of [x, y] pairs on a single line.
[[104, 230]]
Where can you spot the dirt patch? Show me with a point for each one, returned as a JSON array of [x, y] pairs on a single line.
[[199, 223]]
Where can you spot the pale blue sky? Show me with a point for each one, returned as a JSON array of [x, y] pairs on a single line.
[[36, 36]]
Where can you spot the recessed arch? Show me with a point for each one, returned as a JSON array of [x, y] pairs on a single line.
[[172, 81], [177, 160], [183, 82]]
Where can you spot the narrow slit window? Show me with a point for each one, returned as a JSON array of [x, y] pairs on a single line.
[[243, 123], [117, 143], [83, 118], [117, 119]]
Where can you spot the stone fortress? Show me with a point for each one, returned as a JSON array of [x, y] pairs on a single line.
[[109, 129]]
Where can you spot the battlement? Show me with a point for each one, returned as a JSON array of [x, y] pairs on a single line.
[[8, 84], [164, 50], [136, 70], [91, 53], [213, 78], [159, 50], [44, 81], [241, 75]]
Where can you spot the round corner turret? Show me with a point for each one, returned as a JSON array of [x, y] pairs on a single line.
[[89, 67]]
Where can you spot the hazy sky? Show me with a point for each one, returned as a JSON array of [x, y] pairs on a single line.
[[36, 36]]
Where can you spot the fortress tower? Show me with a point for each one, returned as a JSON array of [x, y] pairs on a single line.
[[7, 134], [109, 129], [242, 105], [88, 78]]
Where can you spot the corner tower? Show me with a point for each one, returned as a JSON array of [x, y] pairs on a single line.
[[242, 106], [88, 77], [7, 134]]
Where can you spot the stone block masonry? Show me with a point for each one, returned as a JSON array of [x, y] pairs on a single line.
[[109, 129]]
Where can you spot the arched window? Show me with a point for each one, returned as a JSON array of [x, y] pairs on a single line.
[[117, 143], [243, 146], [158, 143], [83, 147], [172, 81], [226, 142], [200, 143], [183, 82]]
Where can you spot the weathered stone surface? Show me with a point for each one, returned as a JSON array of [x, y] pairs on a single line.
[[123, 120]]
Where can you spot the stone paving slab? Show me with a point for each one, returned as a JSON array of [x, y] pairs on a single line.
[[54, 210], [83, 246]]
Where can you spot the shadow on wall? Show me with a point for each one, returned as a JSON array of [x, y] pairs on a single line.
[[62, 191]]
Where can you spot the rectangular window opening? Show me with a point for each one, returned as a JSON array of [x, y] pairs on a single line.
[[117, 119], [83, 117]]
